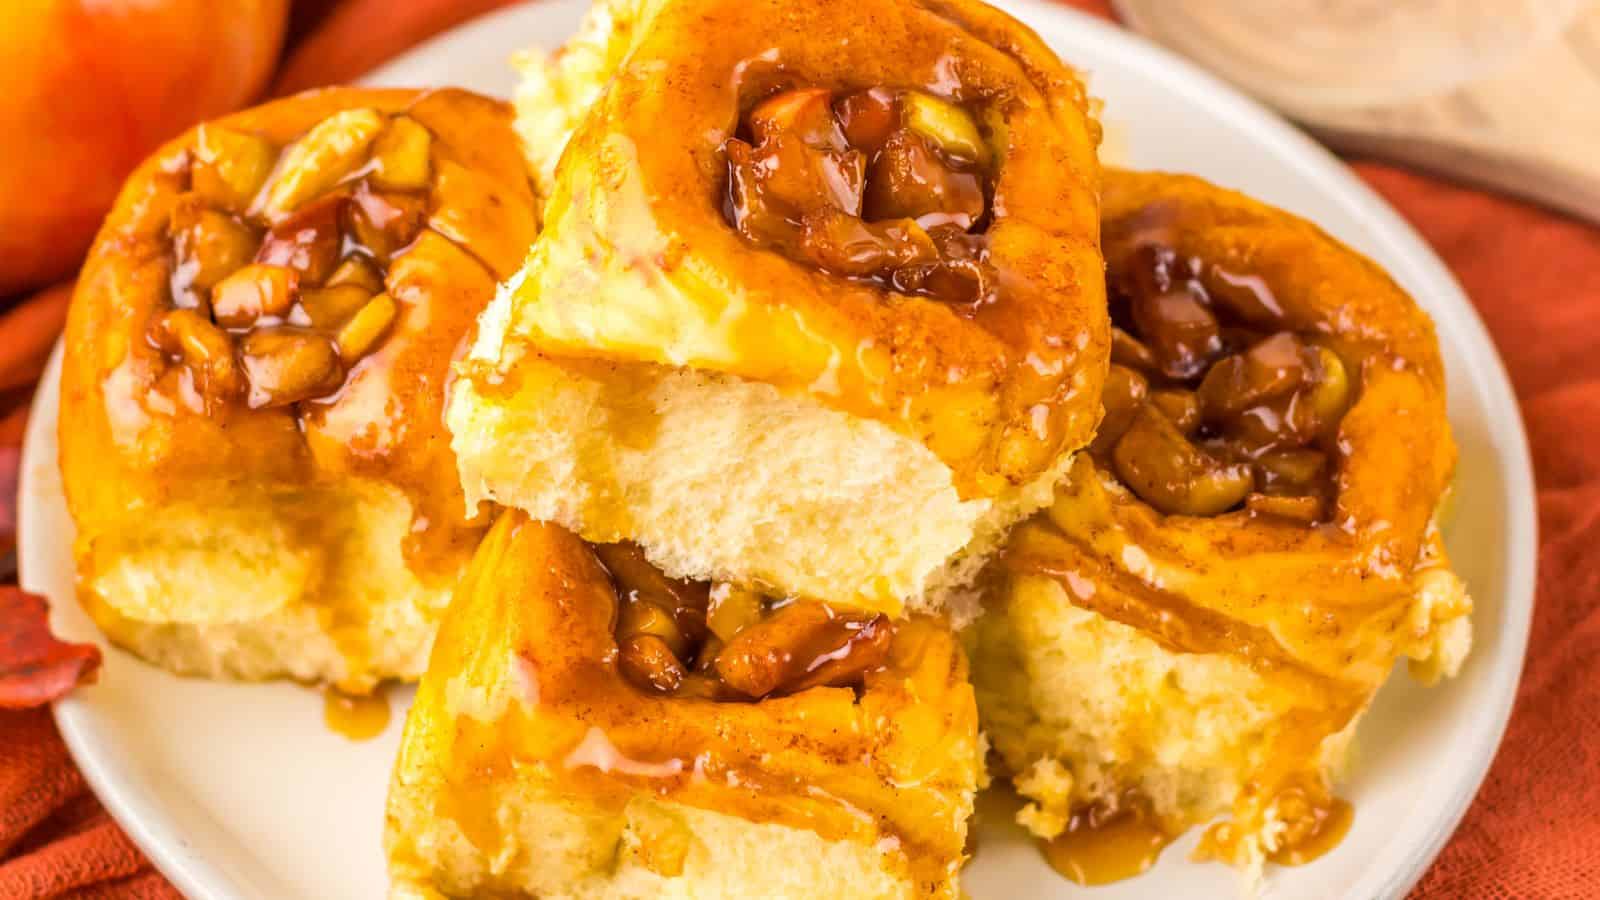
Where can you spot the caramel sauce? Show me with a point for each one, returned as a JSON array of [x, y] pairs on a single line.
[[1104, 844], [1100, 846], [1220, 403], [888, 187], [1322, 830], [325, 355], [722, 642], [359, 718]]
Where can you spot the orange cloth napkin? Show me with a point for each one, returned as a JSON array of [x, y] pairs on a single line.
[[1535, 277]]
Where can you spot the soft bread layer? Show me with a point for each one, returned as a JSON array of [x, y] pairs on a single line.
[[722, 478], [557, 89], [1081, 708], [309, 584], [551, 848]]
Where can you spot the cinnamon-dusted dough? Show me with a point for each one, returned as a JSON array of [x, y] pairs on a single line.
[[531, 766], [1211, 663], [652, 375], [319, 539]]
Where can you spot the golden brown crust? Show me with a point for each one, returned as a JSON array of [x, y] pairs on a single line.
[[1319, 609], [137, 430], [639, 264], [535, 611], [1329, 593]]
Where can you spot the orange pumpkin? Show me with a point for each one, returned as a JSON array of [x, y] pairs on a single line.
[[91, 88]]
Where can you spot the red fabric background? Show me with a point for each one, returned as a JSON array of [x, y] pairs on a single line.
[[1534, 829]]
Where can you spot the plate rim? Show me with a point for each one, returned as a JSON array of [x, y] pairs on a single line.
[[153, 830]]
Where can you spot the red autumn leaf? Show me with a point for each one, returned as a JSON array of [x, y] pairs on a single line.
[[35, 668]]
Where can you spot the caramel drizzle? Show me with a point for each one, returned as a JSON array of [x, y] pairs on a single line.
[[718, 778], [1105, 843], [1170, 619]]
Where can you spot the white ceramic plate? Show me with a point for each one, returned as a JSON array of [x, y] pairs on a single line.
[[240, 791]]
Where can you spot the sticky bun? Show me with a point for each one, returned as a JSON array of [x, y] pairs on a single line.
[[821, 314], [251, 435], [589, 727], [1191, 631]]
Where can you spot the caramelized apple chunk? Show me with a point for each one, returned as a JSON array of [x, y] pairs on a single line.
[[230, 167], [1207, 413], [649, 662], [279, 254], [203, 347], [803, 644], [1159, 464], [285, 365], [728, 642], [320, 159], [207, 244], [890, 187], [400, 156]]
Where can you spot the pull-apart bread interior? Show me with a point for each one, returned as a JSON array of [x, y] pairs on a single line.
[[1193, 628], [818, 305], [589, 728], [252, 398]]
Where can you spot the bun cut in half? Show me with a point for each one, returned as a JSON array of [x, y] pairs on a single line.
[[819, 304]]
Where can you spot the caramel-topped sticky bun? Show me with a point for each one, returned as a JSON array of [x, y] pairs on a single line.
[[567, 734], [252, 436], [1252, 540], [879, 248]]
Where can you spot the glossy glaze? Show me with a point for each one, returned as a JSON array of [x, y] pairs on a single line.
[[358, 718], [1102, 845], [525, 678], [146, 428], [638, 263], [1319, 610]]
